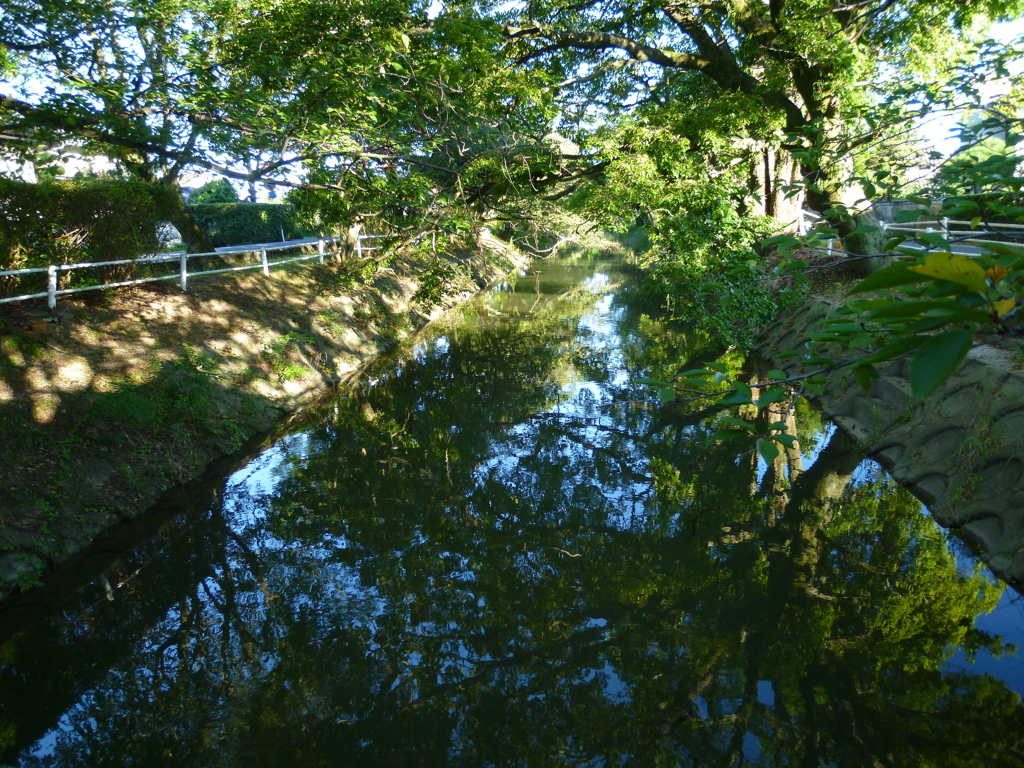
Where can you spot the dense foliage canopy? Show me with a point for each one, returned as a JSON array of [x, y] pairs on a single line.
[[370, 103], [713, 125]]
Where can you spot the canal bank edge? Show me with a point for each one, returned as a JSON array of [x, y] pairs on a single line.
[[104, 408], [961, 451]]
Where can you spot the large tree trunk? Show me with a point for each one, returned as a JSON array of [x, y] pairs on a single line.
[[772, 175], [351, 239], [831, 186], [192, 236]]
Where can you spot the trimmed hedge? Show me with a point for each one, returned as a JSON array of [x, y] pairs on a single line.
[[245, 223], [70, 220]]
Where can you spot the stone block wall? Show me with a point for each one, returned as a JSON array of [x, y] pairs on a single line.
[[961, 451]]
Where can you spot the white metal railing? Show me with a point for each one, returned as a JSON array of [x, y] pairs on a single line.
[[359, 244], [182, 275], [808, 220], [961, 236]]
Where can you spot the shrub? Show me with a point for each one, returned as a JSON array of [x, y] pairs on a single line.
[[73, 220], [244, 223]]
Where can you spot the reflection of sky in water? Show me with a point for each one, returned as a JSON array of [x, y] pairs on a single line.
[[583, 414], [1007, 621], [811, 456], [581, 409], [262, 475]]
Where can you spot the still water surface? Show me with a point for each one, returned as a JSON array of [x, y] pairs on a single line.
[[501, 550]]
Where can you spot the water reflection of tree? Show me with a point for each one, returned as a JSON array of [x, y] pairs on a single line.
[[456, 568]]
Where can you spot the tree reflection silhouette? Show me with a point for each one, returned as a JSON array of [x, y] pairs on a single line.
[[472, 563]]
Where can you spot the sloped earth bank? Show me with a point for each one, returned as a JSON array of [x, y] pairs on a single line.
[[107, 403], [961, 451]]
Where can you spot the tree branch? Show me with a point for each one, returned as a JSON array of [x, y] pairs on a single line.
[[601, 41]]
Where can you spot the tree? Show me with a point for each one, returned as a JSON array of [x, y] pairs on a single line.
[[124, 76], [742, 86], [217, 191], [790, 72], [368, 108]]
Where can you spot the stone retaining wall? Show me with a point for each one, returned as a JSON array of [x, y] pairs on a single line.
[[961, 451]]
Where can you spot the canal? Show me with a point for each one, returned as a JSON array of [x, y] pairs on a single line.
[[501, 549]]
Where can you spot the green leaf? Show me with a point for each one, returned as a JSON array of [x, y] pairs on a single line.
[[865, 374], [1005, 249], [721, 367], [726, 434], [736, 398], [768, 449], [817, 387], [901, 309], [890, 277], [937, 359], [780, 240], [899, 347], [903, 217], [787, 440], [744, 389], [771, 395], [926, 324], [934, 240], [777, 374], [904, 309], [691, 383], [666, 395], [741, 423]]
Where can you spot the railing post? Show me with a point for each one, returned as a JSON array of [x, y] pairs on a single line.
[[263, 258], [945, 226], [359, 247], [51, 286], [183, 271], [320, 248]]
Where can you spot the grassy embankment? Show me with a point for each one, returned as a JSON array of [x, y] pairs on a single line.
[[112, 400]]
